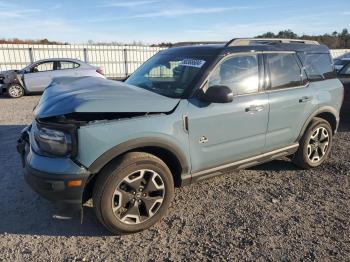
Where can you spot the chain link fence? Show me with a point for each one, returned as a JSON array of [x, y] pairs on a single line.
[[118, 61]]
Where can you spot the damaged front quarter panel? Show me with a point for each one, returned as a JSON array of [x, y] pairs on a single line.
[[107, 113], [10, 77]]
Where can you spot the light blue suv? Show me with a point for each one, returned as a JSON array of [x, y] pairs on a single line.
[[187, 114]]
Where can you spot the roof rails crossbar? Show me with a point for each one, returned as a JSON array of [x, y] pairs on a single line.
[[250, 41]]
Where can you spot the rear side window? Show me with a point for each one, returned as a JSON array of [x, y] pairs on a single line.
[[61, 65], [240, 73], [318, 66], [284, 70], [341, 62], [345, 70]]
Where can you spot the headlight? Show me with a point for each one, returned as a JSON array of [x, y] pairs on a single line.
[[48, 141]]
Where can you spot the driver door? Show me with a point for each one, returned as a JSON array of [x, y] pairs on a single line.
[[224, 133], [39, 76]]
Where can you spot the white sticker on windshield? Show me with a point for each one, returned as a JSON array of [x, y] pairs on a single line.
[[192, 63]]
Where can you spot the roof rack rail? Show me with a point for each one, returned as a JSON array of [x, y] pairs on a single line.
[[250, 41]]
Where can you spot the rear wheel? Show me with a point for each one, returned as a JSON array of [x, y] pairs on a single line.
[[315, 144], [133, 193], [15, 91]]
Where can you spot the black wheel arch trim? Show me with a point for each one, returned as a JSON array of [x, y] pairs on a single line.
[[324, 109], [133, 144]]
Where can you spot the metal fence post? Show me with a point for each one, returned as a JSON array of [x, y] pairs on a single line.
[[85, 55], [31, 58], [126, 62]]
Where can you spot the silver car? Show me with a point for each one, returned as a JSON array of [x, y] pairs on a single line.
[[37, 76]]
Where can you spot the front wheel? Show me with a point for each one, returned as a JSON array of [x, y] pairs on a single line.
[[15, 91], [133, 193], [315, 144]]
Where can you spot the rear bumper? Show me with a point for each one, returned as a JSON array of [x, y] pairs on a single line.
[[53, 185]]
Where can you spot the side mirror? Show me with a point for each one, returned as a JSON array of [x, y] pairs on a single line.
[[218, 94]]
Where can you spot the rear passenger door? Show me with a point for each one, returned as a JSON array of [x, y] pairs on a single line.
[[291, 99]]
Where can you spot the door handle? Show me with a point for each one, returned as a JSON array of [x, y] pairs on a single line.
[[254, 108], [304, 99]]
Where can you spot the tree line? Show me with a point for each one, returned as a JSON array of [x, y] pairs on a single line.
[[27, 41], [335, 40]]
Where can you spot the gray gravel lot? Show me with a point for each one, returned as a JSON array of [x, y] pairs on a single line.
[[271, 212]]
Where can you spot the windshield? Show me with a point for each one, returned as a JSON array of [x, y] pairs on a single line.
[[168, 74]]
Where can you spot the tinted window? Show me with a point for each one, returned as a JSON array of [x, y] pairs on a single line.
[[284, 71], [66, 65], [42, 67], [345, 70], [341, 62], [239, 73], [318, 66]]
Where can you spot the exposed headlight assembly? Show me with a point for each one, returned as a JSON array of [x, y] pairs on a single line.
[[49, 141]]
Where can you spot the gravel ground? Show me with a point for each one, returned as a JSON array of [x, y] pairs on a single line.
[[271, 212]]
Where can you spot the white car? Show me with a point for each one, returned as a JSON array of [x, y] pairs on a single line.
[[38, 75]]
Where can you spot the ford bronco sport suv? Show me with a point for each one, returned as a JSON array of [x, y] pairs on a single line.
[[186, 114]]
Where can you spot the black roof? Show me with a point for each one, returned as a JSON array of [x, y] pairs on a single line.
[[216, 49], [196, 49]]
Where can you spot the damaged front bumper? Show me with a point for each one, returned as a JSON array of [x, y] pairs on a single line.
[[52, 177]]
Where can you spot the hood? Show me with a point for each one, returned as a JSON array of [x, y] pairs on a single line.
[[67, 95]]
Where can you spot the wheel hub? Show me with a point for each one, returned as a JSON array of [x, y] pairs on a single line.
[[15, 91], [138, 196], [318, 144]]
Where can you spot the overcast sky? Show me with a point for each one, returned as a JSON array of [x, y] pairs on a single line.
[[154, 21]]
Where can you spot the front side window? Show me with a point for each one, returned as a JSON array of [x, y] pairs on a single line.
[[42, 67], [240, 73], [284, 70], [61, 65], [169, 74]]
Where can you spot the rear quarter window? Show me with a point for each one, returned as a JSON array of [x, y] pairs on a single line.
[[62, 65], [318, 66]]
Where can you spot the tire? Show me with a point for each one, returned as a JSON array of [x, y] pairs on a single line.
[[314, 145], [15, 91], [119, 185]]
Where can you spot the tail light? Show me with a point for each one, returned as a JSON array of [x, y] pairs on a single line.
[[100, 71]]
